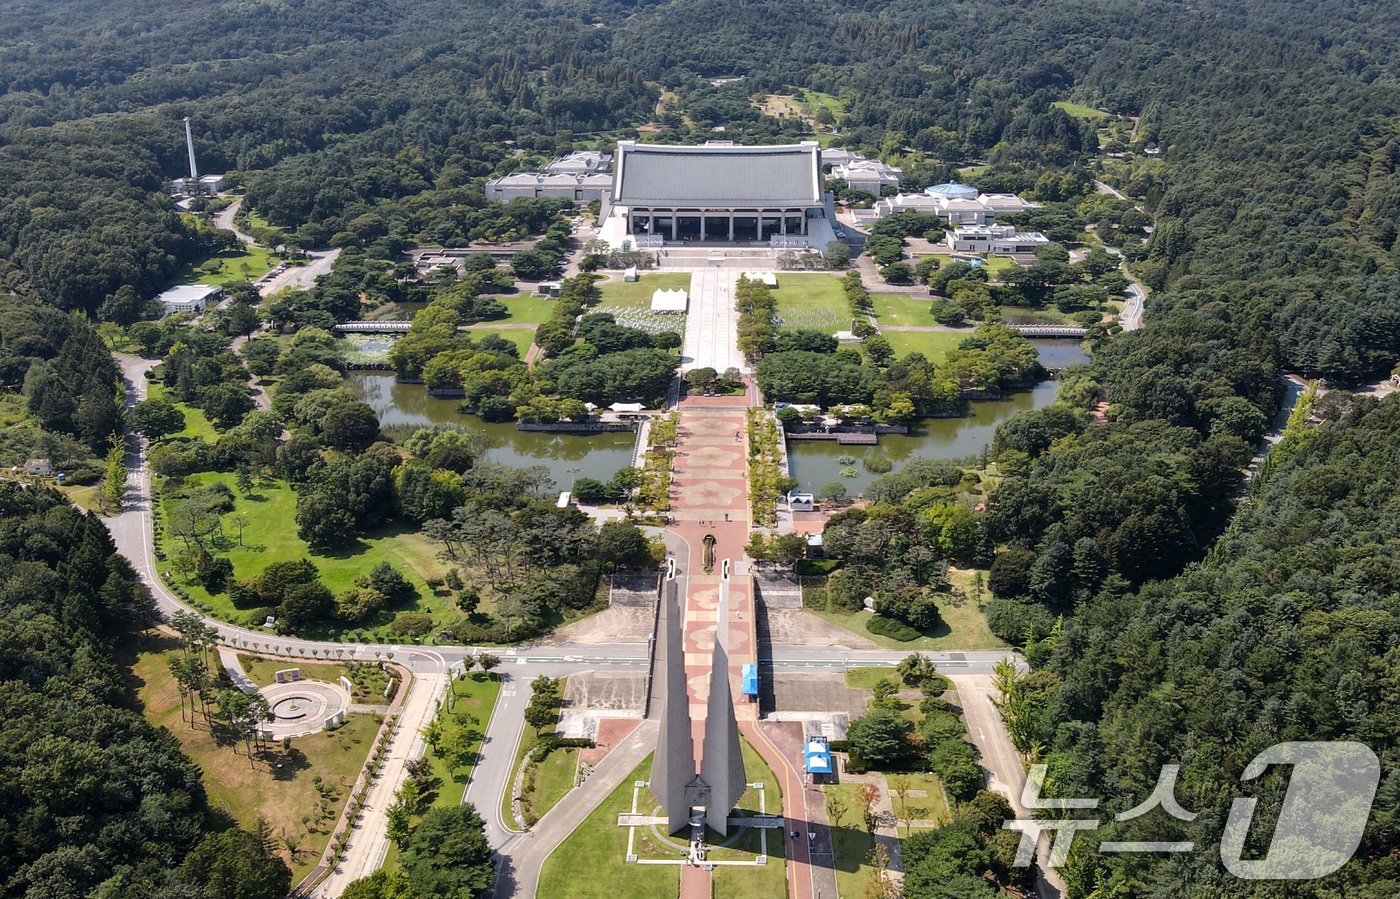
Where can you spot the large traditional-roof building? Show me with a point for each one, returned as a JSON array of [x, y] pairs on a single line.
[[718, 192]]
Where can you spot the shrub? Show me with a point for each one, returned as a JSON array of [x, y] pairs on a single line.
[[413, 624], [888, 627]]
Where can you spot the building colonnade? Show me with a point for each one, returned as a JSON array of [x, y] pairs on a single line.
[[729, 224]]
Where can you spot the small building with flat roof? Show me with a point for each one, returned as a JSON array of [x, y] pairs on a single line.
[[996, 239], [187, 298]]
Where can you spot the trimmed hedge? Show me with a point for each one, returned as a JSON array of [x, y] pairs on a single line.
[[888, 627]]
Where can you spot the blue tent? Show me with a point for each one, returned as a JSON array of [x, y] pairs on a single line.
[[817, 756], [750, 679]]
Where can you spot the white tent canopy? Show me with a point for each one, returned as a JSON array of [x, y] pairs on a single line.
[[669, 300], [626, 407]]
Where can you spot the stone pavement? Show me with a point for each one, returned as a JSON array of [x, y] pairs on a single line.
[[712, 325], [368, 840]]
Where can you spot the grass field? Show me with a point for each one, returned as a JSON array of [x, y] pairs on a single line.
[[1017, 315], [554, 778], [476, 696], [867, 678], [903, 310], [529, 739], [521, 337], [850, 844], [271, 536], [804, 107], [808, 300], [933, 344], [965, 625], [998, 266], [1079, 110], [197, 425], [84, 497], [591, 862], [525, 308], [637, 294], [242, 263], [278, 788], [932, 806]]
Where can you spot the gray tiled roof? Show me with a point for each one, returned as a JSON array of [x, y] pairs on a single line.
[[717, 175]]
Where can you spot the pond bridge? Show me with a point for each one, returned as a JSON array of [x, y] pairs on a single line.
[[1051, 330]]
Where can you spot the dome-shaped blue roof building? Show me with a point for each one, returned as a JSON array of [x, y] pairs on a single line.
[[952, 190]]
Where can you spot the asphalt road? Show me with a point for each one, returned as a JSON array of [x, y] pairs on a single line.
[[1001, 762]]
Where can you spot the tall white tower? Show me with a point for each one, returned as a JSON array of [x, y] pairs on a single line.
[[189, 143]]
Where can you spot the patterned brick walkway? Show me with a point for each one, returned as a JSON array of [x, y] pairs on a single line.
[[710, 496]]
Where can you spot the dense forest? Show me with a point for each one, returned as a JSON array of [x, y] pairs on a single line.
[[1170, 614], [374, 125], [97, 802]]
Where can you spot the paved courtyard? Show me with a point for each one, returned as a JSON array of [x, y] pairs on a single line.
[[712, 327]]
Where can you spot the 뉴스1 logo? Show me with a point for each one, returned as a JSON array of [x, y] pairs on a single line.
[[1319, 826]]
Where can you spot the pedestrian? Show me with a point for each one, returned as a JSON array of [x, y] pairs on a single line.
[[726, 516]]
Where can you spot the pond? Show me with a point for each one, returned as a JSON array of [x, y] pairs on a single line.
[[565, 455], [815, 462]]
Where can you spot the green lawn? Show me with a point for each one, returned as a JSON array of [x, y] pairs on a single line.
[[526, 308], [197, 425], [591, 862], [476, 696], [807, 300], [521, 337], [637, 294], [850, 844], [933, 806], [243, 262], [554, 778], [529, 739], [279, 787], [903, 310], [814, 100], [271, 536], [1017, 315], [933, 344], [998, 266], [965, 625], [867, 678], [1079, 110]]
